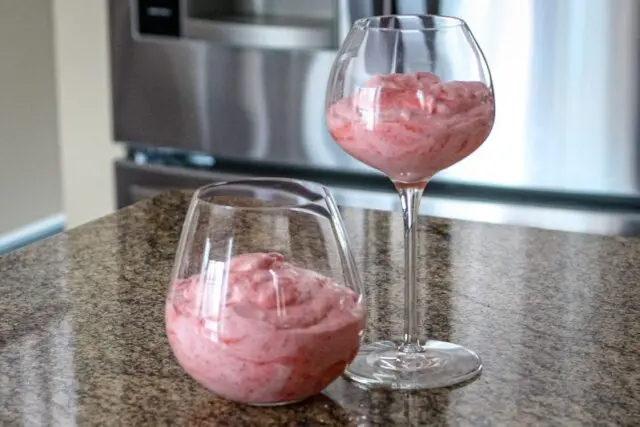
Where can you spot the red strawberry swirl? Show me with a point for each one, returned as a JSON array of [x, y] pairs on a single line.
[[411, 126], [280, 333]]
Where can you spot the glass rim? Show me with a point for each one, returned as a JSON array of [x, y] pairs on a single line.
[[450, 22], [323, 192]]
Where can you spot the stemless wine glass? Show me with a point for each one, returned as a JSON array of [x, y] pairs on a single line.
[[265, 303], [410, 96]]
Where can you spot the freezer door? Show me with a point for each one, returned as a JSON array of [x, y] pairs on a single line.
[[136, 182]]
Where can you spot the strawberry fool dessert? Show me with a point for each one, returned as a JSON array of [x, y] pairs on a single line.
[[279, 335], [411, 126]]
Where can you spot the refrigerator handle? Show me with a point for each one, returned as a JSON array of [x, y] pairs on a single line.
[[349, 11]]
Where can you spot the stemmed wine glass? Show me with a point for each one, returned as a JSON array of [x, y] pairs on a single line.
[[410, 95]]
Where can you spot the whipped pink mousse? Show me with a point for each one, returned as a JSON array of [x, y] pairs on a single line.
[[411, 126], [280, 333]]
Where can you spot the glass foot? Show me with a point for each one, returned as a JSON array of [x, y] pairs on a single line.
[[438, 364], [267, 405]]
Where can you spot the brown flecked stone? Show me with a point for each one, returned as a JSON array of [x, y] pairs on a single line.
[[555, 317]]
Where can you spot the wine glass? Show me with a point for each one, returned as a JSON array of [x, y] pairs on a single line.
[[410, 95], [265, 303]]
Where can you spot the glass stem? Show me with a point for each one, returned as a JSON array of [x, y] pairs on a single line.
[[410, 197]]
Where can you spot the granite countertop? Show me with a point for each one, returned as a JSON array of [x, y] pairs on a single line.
[[555, 317]]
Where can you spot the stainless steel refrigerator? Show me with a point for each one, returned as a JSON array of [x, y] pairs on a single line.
[[205, 91]]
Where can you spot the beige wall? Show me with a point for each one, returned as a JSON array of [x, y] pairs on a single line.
[[29, 168], [82, 68]]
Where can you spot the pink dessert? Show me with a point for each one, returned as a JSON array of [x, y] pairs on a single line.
[[411, 126], [282, 334]]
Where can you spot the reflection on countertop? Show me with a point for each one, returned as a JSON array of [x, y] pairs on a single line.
[[554, 316]]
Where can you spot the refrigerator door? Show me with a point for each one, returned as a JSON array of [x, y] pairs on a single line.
[[565, 75], [205, 88]]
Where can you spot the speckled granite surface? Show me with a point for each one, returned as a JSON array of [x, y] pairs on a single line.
[[555, 317]]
